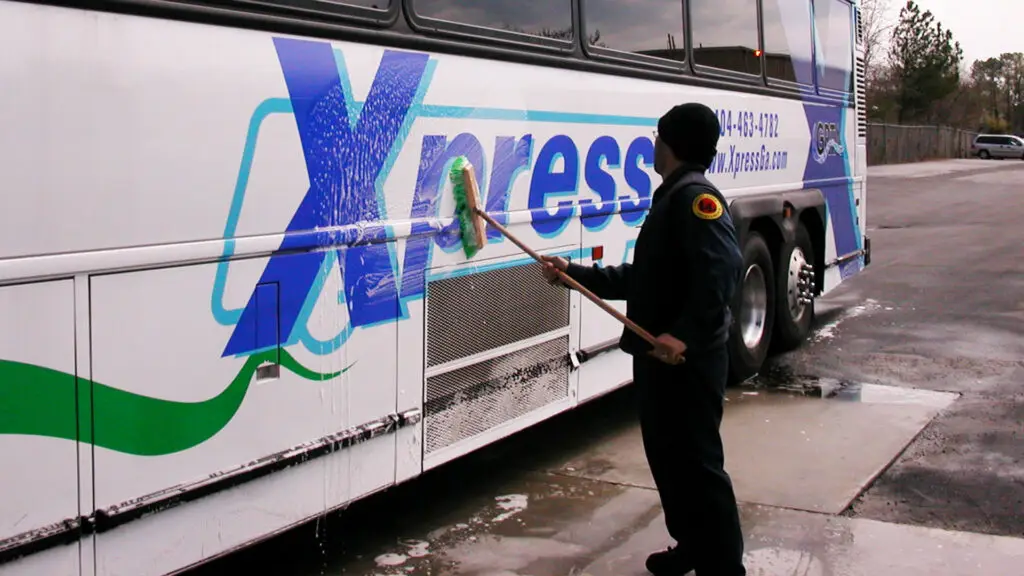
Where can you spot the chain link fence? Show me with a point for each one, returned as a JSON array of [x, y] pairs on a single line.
[[895, 144]]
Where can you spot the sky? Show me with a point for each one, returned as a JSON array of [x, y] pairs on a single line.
[[984, 28]]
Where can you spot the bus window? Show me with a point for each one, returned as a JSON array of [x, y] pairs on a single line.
[[379, 12], [724, 34], [646, 27], [374, 4], [833, 20], [788, 52], [543, 18]]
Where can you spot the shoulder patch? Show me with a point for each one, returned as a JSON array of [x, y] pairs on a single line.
[[707, 207]]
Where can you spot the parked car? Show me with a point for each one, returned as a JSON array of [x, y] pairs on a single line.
[[1000, 146]]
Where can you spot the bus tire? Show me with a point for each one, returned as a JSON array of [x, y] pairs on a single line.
[[793, 317], [753, 311]]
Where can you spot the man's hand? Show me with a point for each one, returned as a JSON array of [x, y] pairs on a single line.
[[551, 265], [670, 349]]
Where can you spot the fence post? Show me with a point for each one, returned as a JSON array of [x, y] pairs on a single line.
[[884, 158]]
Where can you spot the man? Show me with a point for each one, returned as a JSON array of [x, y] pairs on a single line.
[[685, 270]]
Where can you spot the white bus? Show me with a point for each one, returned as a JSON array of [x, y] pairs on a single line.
[[231, 289]]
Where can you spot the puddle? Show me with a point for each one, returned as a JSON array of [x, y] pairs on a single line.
[[829, 330], [782, 380]]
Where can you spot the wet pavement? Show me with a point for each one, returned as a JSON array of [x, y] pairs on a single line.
[[799, 449], [890, 444], [941, 308]]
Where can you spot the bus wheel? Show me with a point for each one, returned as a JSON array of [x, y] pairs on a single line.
[[795, 287], [753, 311]]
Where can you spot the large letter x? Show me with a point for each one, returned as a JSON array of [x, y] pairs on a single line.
[[343, 163]]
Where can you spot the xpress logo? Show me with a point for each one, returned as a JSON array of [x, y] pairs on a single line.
[[349, 148], [827, 141]]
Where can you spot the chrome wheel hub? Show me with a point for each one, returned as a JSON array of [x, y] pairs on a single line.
[[799, 284], [755, 307]]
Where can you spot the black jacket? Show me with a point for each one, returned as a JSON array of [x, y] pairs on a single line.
[[685, 270]]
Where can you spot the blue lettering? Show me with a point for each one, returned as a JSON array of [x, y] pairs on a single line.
[[343, 162], [347, 149], [546, 183], [510, 159], [596, 217], [433, 159], [640, 150]]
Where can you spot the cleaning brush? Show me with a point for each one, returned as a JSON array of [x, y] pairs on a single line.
[[471, 226], [467, 206]]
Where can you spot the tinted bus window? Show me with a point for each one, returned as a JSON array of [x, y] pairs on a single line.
[[724, 34], [833, 20], [375, 4], [544, 18], [329, 6], [647, 27], [788, 50]]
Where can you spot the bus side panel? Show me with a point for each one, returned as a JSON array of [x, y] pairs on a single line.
[[38, 414], [227, 521], [410, 386], [128, 130], [844, 230], [59, 561], [606, 370], [860, 173], [170, 411], [499, 341]]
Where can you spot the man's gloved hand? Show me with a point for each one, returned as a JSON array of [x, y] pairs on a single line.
[[551, 265], [670, 350]]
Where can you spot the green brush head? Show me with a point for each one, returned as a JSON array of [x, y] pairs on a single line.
[[465, 202]]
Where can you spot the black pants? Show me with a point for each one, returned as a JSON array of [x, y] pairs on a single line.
[[680, 415]]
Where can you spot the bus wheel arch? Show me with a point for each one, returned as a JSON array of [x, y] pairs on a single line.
[[812, 221]]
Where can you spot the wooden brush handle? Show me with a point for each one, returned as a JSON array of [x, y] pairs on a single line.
[[574, 284]]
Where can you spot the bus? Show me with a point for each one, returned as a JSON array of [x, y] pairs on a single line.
[[232, 293]]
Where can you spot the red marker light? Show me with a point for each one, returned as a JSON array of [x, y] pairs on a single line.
[[597, 253]]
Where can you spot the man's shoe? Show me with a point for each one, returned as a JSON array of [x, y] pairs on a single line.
[[669, 562]]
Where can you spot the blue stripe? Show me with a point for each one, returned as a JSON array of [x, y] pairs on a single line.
[[509, 114], [265, 109]]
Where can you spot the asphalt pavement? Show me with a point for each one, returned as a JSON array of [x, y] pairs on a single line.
[[941, 308], [891, 443]]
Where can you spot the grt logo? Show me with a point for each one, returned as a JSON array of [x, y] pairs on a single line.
[[827, 141]]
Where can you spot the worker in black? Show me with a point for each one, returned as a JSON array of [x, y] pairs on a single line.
[[685, 270]]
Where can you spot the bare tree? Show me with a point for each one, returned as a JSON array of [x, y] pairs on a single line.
[[878, 27]]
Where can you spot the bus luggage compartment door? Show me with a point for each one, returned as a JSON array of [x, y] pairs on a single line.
[[497, 357]]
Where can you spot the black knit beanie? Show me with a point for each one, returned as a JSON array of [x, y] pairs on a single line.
[[691, 131]]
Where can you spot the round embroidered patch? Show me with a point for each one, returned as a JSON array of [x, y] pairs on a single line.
[[707, 207]]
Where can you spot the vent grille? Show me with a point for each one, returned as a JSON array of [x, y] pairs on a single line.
[[862, 104], [471, 314], [860, 25], [469, 401]]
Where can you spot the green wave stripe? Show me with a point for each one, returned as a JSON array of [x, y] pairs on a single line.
[[39, 401]]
